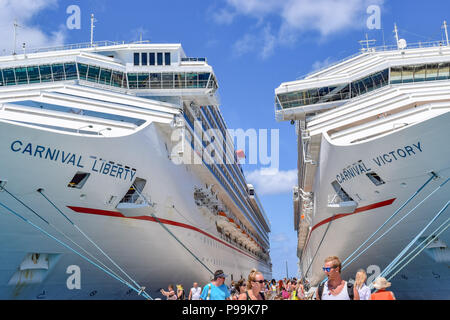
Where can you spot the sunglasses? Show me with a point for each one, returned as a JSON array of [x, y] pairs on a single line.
[[327, 269], [259, 281]]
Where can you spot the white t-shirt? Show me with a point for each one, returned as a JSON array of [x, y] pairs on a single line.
[[195, 293], [343, 295], [364, 293]]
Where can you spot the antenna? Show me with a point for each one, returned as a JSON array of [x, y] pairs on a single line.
[[446, 33], [16, 25], [366, 42], [92, 29], [396, 34]]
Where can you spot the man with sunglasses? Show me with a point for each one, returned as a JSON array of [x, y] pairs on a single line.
[[216, 289], [335, 288]]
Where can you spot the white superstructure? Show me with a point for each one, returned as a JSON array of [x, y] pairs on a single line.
[[373, 150], [120, 152]]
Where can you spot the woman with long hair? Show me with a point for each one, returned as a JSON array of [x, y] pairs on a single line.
[[360, 285], [255, 287]]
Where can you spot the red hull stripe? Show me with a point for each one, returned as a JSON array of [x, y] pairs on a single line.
[[147, 218], [342, 215]]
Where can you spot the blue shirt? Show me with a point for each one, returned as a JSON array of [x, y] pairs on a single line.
[[217, 293]]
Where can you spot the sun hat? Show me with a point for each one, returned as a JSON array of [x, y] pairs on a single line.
[[219, 274], [381, 283]]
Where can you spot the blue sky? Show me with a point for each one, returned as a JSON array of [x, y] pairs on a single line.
[[253, 46]]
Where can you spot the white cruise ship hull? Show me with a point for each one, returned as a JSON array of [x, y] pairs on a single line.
[[138, 244]]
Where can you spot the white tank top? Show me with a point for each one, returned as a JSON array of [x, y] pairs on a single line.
[[343, 295]]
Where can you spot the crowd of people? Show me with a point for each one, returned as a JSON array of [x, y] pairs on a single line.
[[255, 287]]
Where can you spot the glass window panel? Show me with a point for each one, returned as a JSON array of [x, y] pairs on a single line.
[[419, 72], [192, 80], [9, 77], [407, 74], [71, 71], [93, 73], [354, 89], [396, 75], [105, 76], [2, 83], [143, 81], [212, 82], [160, 58], [33, 74], [368, 83], [167, 58], [323, 91], [144, 56], [132, 80], [46, 73], [432, 72], [203, 79], [21, 75], [443, 71], [179, 80], [117, 78], [155, 80], [125, 81], [136, 58], [385, 75], [82, 69], [167, 80], [345, 92], [313, 96], [58, 72], [152, 58]]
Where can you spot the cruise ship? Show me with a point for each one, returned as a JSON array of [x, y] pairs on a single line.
[[373, 166], [118, 175]]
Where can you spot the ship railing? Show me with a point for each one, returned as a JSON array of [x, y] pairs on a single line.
[[416, 45], [82, 45]]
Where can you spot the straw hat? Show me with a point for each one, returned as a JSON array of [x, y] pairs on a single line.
[[381, 283]]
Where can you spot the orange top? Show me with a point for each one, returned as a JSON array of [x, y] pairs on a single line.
[[382, 295]]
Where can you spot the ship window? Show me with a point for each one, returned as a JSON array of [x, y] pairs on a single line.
[[192, 81], [78, 180], [93, 73], [155, 80], [1, 78], [167, 80], [159, 57], [419, 73], [341, 192], [71, 71], [10, 78], [152, 58], [407, 74], [443, 71], [432, 72], [203, 79], [58, 72], [396, 75], [136, 58], [21, 75], [117, 78], [143, 81], [105, 76], [46, 73], [167, 58], [144, 58], [375, 178], [132, 80], [133, 194], [179, 80], [82, 69]]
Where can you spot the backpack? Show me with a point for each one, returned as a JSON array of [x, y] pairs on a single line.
[[349, 290]]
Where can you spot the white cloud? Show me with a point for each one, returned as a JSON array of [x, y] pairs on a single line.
[[272, 181], [325, 17], [23, 11], [322, 64]]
